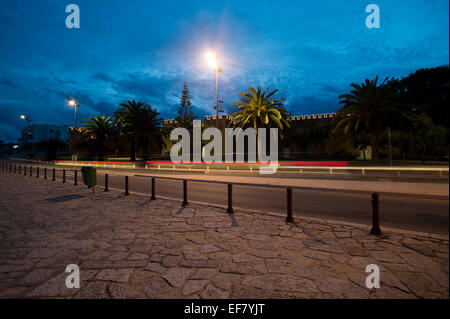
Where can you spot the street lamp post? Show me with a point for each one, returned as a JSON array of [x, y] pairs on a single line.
[[217, 92], [27, 118], [212, 59], [74, 102], [74, 132]]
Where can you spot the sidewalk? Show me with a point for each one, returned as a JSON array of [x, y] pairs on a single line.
[[131, 247]]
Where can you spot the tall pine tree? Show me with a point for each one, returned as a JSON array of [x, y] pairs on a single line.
[[185, 114]]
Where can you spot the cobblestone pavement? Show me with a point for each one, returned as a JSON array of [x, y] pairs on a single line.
[[131, 247]]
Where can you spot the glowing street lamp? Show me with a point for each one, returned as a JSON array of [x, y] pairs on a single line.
[[28, 135], [26, 118], [211, 58], [74, 102]]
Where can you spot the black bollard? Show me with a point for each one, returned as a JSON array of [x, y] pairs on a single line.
[[15, 170], [289, 218], [375, 215], [106, 182], [185, 201], [45, 172], [20, 169], [64, 176], [54, 175], [230, 199], [31, 171], [75, 175], [153, 189], [37, 172], [25, 170], [126, 186], [10, 168]]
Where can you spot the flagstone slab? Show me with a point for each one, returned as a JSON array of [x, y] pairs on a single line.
[[177, 276]]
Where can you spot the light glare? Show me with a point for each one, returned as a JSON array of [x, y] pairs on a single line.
[[212, 60]]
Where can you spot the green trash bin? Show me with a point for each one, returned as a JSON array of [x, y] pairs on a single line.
[[89, 176]]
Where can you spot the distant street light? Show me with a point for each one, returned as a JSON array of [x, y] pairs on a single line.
[[212, 61], [27, 118], [74, 102]]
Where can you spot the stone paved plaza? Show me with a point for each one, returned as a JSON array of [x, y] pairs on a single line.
[[131, 247]]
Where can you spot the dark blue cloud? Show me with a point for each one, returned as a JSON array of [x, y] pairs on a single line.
[[310, 50], [6, 82], [103, 77]]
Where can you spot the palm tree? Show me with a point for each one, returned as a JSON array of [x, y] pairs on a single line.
[[149, 130], [366, 109], [98, 132], [129, 117], [260, 109]]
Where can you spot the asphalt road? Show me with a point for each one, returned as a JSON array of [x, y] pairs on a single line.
[[397, 211]]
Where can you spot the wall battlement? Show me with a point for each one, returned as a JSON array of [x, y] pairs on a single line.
[[293, 118]]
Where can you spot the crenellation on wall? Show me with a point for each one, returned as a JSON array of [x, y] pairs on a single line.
[[209, 118]]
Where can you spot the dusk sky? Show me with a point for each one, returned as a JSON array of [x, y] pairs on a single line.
[[310, 50]]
